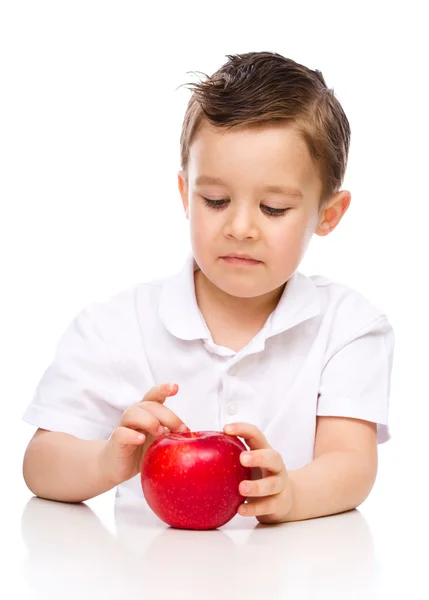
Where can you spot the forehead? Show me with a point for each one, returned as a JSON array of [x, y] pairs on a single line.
[[272, 154]]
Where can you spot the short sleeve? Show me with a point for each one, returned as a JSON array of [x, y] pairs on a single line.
[[78, 391], [356, 379]]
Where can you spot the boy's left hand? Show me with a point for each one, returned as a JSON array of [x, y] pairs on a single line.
[[268, 499]]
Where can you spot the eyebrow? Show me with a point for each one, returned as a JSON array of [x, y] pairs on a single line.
[[280, 189]]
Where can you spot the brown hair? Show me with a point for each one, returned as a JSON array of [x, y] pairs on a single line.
[[264, 87]]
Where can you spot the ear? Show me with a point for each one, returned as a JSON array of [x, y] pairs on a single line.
[[183, 189], [333, 212]]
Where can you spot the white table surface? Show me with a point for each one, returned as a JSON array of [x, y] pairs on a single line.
[[106, 548]]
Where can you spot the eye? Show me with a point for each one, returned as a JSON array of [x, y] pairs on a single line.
[[214, 203], [272, 212]]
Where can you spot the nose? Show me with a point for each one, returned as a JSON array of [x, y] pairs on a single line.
[[240, 223]]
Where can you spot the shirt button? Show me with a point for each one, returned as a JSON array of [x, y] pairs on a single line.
[[232, 408]]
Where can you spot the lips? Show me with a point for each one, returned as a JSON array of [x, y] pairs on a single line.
[[241, 260], [244, 256]]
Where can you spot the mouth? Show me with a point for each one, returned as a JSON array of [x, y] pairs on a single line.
[[243, 259], [245, 256]]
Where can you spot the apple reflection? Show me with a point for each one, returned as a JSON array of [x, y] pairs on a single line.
[[73, 554]]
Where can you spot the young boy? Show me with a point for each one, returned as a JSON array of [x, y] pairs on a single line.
[[297, 366]]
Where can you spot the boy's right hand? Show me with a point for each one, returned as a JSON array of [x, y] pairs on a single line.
[[139, 426]]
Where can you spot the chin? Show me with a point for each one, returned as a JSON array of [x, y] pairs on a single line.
[[239, 290]]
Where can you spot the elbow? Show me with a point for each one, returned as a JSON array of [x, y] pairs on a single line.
[[28, 471], [366, 476], [32, 469], [31, 462]]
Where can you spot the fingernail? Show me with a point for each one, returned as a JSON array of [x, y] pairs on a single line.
[[160, 429], [246, 488], [183, 429], [229, 429], [246, 458]]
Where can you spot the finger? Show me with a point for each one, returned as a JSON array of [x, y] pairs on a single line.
[[142, 420], [253, 436], [268, 486], [267, 506], [159, 393], [266, 458], [166, 417], [125, 437]]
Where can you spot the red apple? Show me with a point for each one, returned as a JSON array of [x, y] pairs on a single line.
[[190, 480]]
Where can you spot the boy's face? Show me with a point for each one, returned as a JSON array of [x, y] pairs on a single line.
[[247, 161]]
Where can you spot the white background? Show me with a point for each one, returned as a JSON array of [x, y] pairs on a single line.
[[90, 119]]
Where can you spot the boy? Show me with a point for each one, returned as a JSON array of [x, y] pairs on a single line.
[[297, 366]]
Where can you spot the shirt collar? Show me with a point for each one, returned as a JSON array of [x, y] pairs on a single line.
[[178, 308], [180, 314], [299, 302]]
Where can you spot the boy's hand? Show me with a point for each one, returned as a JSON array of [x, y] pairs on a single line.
[[138, 427], [269, 499]]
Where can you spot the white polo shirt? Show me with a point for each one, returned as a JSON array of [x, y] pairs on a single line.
[[324, 350]]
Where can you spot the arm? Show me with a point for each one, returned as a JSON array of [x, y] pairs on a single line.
[[59, 466], [342, 473], [338, 479], [355, 379]]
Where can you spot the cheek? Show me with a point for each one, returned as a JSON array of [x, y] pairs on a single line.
[[290, 240], [288, 235], [201, 228]]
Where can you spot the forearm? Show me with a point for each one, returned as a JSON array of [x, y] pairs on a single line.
[[59, 466], [333, 483]]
